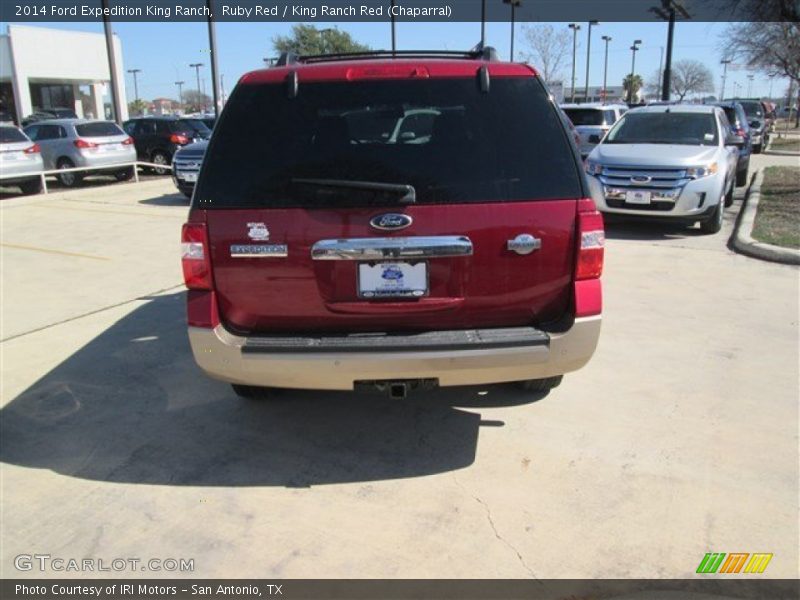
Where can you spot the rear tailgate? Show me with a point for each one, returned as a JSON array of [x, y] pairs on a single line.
[[486, 168]]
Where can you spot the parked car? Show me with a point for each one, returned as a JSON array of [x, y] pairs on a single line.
[[757, 121], [20, 161], [667, 162], [50, 113], [158, 138], [186, 166], [739, 126], [69, 143], [318, 258], [592, 121]]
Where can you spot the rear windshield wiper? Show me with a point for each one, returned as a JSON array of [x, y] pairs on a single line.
[[409, 194]]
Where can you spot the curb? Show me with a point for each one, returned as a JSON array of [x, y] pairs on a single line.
[[743, 241], [768, 149]]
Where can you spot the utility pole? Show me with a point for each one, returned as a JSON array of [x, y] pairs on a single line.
[[667, 11], [575, 28], [660, 69], [135, 82], [588, 47], [634, 50], [750, 85], [180, 92], [212, 44], [112, 65], [196, 67], [606, 39], [725, 62]]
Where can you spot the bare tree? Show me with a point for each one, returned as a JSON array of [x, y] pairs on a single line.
[[689, 77], [773, 47], [547, 48]]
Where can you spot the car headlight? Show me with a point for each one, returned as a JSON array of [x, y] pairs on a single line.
[[702, 171], [592, 167]]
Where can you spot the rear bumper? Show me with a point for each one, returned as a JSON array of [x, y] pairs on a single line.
[[220, 354]]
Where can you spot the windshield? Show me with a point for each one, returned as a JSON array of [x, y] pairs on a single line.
[[584, 116], [11, 135], [692, 129], [98, 129], [445, 138]]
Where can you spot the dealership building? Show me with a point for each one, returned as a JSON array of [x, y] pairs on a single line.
[[43, 68]]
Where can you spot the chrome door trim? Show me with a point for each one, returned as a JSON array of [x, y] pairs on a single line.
[[417, 247]]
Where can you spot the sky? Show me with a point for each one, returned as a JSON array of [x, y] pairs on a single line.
[[163, 51]]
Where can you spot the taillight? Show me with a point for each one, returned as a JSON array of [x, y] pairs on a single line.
[[35, 149], [79, 143], [127, 141], [194, 257], [591, 241], [177, 138]]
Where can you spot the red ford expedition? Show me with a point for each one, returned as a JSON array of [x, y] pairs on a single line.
[[392, 220]]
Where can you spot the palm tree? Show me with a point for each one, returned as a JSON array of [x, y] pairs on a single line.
[[637, 85]]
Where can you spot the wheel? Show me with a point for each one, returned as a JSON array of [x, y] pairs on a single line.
[[31, 187], [125, 174], [250, 392], [540, 385], [741, 178], [729, 197], [757, 149], [714, 224], [159, 157], [70, 179]]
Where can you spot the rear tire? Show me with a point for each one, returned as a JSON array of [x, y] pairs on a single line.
[[741, 178], [125, 174], [729, 197], [757, 149], [251, 392], [31, 187], [540, 385], [71, 179]]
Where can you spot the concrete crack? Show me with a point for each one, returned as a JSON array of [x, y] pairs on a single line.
[[505, 542]]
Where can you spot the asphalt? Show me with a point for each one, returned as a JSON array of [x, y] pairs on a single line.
[[679, 438]]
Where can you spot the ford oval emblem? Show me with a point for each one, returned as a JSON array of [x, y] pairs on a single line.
[[391, 221]]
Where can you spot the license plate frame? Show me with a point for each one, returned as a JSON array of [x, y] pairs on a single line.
[[392, 279], [638, 197]]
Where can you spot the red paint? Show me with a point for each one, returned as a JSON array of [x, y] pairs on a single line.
[[201, 308]]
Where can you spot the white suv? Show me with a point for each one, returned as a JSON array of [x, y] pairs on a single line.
[[592, 122], [676, 162]]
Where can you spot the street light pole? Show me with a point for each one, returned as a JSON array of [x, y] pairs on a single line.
[[514, 4], [575, 28], [112, 64], [750, 85], [606, 39], [725, 62], [196, 67], [667, 11], [634, 50], [588, 47], [394, 38], [135, 82], [212, 45], [180, 92]]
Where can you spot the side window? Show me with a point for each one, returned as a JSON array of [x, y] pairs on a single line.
[[62, 132], [608, 116], [146, 128], [32, 132], [129, 127], [47, 132]]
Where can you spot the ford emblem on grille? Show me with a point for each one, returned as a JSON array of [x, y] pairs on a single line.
[[391, 221], [641, 179]]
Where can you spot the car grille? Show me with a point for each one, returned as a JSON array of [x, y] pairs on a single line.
[[665, 185]]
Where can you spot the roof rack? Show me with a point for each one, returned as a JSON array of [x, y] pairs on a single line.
[[479, 52]]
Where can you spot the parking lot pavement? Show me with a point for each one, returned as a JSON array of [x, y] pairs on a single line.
[[679, 438]]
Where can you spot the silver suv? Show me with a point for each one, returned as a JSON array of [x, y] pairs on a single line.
[[592, 122], [672, 162], [70, 143]]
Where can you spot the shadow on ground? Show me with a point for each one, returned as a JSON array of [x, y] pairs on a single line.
[[176, 199], [132, 407]]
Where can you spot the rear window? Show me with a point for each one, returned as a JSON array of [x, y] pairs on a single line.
[[753, 109], [98, 129], [11, 135], [191, 125], [585, 116], [694, 129], [444, 137]]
